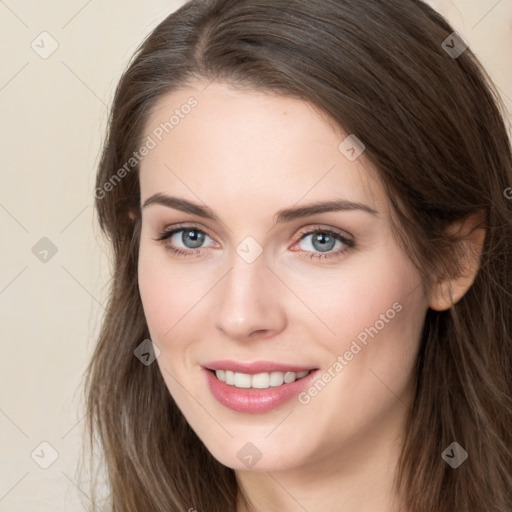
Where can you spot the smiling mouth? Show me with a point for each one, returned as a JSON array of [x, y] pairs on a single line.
[[263, 380]]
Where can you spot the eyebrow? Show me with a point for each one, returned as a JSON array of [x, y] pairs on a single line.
[[285, 215]]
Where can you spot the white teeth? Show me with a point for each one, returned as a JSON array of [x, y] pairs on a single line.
[[258, 380], [242, 380], [276, 378], [289, 377]]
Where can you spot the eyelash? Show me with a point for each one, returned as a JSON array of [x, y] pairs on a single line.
[[166, 234]]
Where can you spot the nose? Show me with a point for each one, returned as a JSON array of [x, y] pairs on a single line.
[[248, 301]]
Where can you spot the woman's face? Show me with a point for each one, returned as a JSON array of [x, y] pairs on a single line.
[[266, 289]]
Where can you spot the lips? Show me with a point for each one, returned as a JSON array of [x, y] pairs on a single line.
[[255, 401]]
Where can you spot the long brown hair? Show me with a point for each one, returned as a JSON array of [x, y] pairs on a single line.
[[432, 124]]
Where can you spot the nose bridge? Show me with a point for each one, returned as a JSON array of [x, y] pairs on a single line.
[[247, 299]]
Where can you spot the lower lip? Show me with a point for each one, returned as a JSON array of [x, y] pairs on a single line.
[[255, 401]]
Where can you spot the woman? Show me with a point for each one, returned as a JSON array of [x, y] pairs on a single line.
[[310, 307]]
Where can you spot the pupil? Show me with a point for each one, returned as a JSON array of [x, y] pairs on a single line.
[[196, 237], [323, 239]]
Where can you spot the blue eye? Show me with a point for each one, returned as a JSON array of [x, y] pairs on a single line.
[[193, 236], [323, 241]]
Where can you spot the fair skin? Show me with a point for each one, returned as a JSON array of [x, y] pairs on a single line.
[[246, 155]]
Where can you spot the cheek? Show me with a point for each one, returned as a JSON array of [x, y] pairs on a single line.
[[166, 292], [373, 293], [175, 299], [154, 291], [376, 312], [378, 319]]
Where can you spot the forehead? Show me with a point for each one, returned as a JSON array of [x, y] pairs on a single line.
[[221, 141]]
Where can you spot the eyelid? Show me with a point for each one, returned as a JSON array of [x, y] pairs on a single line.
[[185, 225], [328, 229]]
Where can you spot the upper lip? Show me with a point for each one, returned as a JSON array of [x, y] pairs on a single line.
[[255, 366]]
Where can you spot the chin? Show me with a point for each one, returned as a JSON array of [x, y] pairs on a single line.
[[257, 455]]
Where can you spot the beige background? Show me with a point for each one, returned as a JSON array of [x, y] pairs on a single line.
[[53, 115]]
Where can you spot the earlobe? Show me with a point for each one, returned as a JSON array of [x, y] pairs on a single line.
[[448, 291], [442, 297]]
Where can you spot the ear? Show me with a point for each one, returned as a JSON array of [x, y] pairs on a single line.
[[449, 290]]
